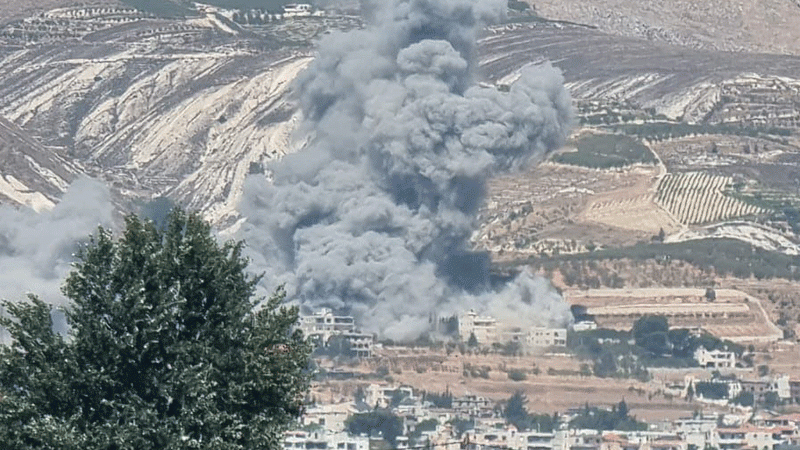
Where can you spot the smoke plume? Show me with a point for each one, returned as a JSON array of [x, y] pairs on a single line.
[[36, 249], [373, 217]]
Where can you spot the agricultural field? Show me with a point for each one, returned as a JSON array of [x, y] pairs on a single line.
[[733, 315], [605, 151], [699, 198]]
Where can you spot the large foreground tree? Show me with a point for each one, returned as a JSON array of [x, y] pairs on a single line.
[[167, 349]]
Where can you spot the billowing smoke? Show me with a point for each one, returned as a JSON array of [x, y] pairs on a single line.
[[373, 217], [36, 249]]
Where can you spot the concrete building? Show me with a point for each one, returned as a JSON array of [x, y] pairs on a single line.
[[488, 331], [297, 10], [322, 440], [381, 396], [700, 432], [715, 359], [330, 416], [471, 405], [547, 337], [747, 437], [483, 327], [321, 326]]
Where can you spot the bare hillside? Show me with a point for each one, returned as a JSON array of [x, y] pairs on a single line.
[[13, 9], [766, 26]]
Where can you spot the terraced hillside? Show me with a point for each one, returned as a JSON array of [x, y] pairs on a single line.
[[184, 109], [698, 198], [756, 26]]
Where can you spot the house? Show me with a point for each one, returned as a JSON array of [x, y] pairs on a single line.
[[472, 406], [746, 436], [759, 389], [323, 440], [297, 10], [547, 337], [381, 396], [331, 417], [700, 432], [321, 326], [715, 359], [483, 327]]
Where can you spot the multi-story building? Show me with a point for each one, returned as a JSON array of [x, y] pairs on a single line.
[[381, 396], [321, 326], [700, 432], [747, 437], [483, 327], [759, 389], [323, 440], [331, 417], [715, 359], [547, 337], [488, 331], [471, 405]]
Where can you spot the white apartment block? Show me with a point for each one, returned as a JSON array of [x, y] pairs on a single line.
[[547, 337], [322, 440], [483, 327], [323, 325], [488, 331]]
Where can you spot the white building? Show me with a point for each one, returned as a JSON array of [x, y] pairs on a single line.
[[321, 440], [331, 417], [297, 10], [471, 405], [488, 331], [699, 431], [547, 337], [483, 327], [715, 359], [323, 325], [585, 325], [381, 396]]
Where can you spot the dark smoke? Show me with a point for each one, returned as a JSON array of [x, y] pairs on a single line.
[[373, 217]]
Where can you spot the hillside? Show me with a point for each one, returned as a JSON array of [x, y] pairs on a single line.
[[755, 26]]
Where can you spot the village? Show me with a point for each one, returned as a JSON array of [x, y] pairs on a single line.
[[716, 394]]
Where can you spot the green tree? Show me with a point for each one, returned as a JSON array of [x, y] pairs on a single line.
[[515, 411], [167, 349], [380, 422], [473, 341]]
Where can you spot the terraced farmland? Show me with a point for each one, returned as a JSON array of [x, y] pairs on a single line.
[[699, 197]]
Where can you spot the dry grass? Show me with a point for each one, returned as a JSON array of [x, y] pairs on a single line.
[[546, 393]]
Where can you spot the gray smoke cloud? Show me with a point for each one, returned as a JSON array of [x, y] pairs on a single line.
[[373, 217], [36, 249]]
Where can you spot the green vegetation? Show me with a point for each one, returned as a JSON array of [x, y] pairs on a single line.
[[516, 414], [439, 400], [711, 390], [744, 399], [603, 151], [723, 256], [669, 130], [182, 8], [380, 422], [517, 375], [517, 5], [650, 343], [167, 348], [602, 419]]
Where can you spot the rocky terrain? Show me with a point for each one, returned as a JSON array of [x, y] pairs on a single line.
[[756, 26], [186, 108], [183, 109]]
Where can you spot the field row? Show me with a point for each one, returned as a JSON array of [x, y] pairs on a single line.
[[697, 198]]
